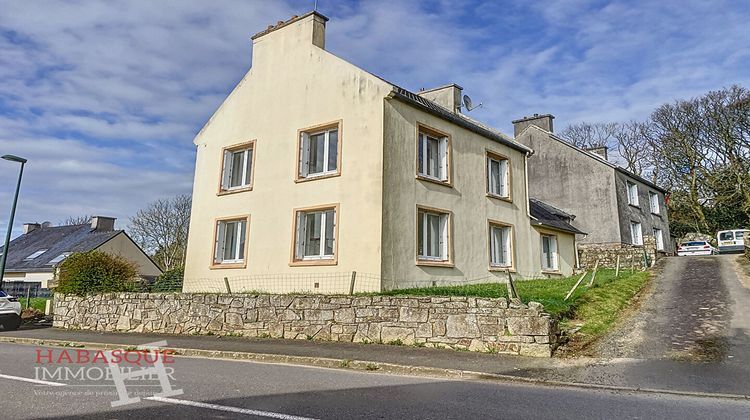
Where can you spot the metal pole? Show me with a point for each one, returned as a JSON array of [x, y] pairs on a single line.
[[10, 227]]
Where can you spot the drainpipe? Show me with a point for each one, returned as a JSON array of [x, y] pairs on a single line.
[[526, 180]]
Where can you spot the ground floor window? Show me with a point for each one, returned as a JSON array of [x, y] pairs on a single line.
[[230, 241], [501, 247], [432, 235], [315, 234], [636, 236], [549, 253], [659, 239]]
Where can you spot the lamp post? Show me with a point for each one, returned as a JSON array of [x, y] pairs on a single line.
[[4, 257]]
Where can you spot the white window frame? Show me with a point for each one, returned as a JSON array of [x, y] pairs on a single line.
[[248, 162], [653, 199], [503, 165], [507, 250], [35, 255], [444, 231], [241, 245], [303, 165], [632, 189], [554, 255], [659, 236], [300, 236], [443, 155], [636, 233]]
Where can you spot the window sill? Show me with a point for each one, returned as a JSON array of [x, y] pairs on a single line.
[[435, 263], [553, 272], [500, 197], [635, 205], [220, 266], [434, 181], [317, 177], [322, 261], [234, 191], [497, 268], [656, 214]]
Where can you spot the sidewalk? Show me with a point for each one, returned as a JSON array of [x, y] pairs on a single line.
[[624, 374]]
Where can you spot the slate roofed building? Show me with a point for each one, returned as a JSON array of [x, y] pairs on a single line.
[[35, 255]]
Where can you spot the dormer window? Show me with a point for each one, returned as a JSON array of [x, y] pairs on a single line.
[[35, 255]]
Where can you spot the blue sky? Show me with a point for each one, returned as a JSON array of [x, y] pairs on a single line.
[[104, 98]]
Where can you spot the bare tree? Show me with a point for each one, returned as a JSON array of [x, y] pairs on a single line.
[[587, 135], [76, 220], [633, 146], [162, 229]]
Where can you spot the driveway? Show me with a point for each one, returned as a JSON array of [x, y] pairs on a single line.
[[690, 332]]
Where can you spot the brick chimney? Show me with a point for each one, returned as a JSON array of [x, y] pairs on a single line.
[[542, 121], [599, 150], [30, 227], [448, 96], [103, 224]]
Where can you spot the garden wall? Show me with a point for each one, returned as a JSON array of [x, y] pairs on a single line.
[[490, 325], [630, 255]]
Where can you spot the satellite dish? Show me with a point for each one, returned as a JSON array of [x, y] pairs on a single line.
[[468, 104]]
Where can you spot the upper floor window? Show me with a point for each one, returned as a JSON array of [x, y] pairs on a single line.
[[501, 247], [237, 170], [433, 235], [230, 244], [433, 155], [315, 234], [653, 199], [632, 193], [498, 176], [549, 253], [636, 236], [319, 152]]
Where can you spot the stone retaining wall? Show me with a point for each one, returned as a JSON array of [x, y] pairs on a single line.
[[490, 325], [607, 253]]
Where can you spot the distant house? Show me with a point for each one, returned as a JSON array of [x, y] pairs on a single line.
[[614, 206], [35, 255]]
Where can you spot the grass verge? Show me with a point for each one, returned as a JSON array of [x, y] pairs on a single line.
[[36, 303]]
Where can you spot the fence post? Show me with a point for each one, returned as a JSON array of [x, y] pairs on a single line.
[[512, 293], [351, 284], [575, 286], [617, 268], [226, 283], [593, 275], [28, 296]]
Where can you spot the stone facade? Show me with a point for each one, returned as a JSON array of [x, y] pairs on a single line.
[[607, 253], [489, 325]]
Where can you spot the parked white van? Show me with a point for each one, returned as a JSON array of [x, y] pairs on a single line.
[[732, 240]]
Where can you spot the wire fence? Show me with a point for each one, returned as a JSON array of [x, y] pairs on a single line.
[[351, 282]]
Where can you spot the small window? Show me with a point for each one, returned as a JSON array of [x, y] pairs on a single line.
[[549, 253], [35, 254], [636, 235], [315, 234], [432, 155], [319, 152], [58, 258], [659, 239], [653, 199], [498, 176], [632, 194], [230, 241], [237, 170], [432, 235], [726, 236], [501, 247]]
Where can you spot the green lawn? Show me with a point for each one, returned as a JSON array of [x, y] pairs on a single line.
[[596, 307], [36, 303]]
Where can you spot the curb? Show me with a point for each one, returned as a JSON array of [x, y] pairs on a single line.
[[375, 367]]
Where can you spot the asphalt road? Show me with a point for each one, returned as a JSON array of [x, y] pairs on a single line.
[[228, 389]]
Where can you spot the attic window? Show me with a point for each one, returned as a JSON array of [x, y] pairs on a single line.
[[59, 258], [36, 254]]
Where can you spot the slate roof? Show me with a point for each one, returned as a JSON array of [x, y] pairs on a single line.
[[56, 240], [546, 215]]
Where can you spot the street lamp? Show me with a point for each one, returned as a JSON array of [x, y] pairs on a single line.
[[4, 256]]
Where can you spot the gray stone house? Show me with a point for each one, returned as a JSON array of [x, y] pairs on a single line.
[[614, 206]]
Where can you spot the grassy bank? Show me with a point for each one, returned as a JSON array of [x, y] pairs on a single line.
[[36, 303], [595, 308]]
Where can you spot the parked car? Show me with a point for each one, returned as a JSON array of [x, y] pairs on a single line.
[[695, 248], [732, 240], [10, 311]]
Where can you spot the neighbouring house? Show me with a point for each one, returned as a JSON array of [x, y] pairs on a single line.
[[35, 256], [315, 175], [615, 207]]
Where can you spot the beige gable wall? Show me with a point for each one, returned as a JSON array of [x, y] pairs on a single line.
[[292, 85], [123, 246], [566, 250], [467, 200]]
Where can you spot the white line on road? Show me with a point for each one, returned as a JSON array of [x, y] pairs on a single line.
[[249, 412], [33, 381]]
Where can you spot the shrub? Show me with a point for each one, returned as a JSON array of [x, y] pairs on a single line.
[[90, 272], [169, 281]]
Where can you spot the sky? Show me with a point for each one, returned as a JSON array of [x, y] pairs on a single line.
[[105, 98]]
